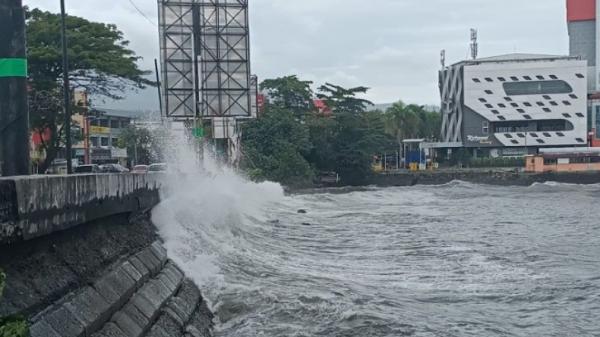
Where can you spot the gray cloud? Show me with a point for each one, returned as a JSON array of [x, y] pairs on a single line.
[[391, 46]]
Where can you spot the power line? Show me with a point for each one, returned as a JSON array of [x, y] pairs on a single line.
[[142, 13]]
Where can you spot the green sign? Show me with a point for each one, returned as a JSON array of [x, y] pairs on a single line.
[[13, 67], [198, 132]]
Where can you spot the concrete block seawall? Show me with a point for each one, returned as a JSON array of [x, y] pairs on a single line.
[[489, 177], [35, 206], [82, 258]]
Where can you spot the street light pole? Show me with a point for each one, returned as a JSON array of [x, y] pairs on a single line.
[[66, 89]]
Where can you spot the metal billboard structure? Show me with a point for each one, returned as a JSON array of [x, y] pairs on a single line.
[[205, 57]]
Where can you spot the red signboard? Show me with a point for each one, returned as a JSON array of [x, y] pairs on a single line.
[[581, 10], [260, 100], [36, 137]]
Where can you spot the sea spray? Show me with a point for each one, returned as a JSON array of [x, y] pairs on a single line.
[[204, 203]]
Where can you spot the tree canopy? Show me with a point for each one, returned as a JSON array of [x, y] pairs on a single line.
[[404, 121], [290, 93], [292, 143], [99, 62], [99, 58]]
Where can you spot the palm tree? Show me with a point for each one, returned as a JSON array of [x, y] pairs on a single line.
[[402, 122]]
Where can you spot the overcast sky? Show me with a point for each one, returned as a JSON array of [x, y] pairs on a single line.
[[391, 46]]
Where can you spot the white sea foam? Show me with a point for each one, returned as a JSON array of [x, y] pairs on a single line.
[[203, 205]]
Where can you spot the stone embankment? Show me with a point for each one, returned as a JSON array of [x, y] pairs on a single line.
[[490, 177], [82, 259]]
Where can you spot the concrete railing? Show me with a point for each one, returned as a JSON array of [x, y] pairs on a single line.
[[35, 206]]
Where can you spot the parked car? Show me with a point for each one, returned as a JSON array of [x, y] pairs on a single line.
[[90, 169], [140, 169], [158, 167], [113, 168]]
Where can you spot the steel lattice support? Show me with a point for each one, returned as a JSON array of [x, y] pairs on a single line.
[[205, 57]]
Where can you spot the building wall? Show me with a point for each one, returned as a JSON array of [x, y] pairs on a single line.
[[488, 98], [582, 40]]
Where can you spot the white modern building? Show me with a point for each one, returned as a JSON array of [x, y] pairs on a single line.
[[511, 105]]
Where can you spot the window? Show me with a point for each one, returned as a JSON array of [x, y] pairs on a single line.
[[554, 77], [514, 105], [115, 142], [476, 80], [540, 141], [521, 135], [511, 126], [521, 111], [502, 118], [514, 141], [553, 125], [104, 141], [560, 134], [501, 79], [104, 123], [527, 117], [495, 112], [547, 110], [537, 88], [547, 97], [547, 135], [540, 77], [508, 135], [540, 103], [553, 103], [94, 122], [527, 78], [579, 114], [573, 96], [566, 103], [489, 79], [485, 127], [550, 161], [508, 99], [114, 123], [514, 78], [567, 115], [489, 92], [483, 100], [502, 105], [579, 140], [489, 106], [534, 135], [580, 75], [527, 104], [94, 141]]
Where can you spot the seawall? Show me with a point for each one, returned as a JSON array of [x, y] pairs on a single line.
[[490, 177], [82, 258]]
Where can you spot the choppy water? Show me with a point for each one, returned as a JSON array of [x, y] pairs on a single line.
[[453, 260]]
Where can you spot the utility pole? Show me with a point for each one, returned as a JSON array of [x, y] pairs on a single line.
[[14, 114], [67, 90]]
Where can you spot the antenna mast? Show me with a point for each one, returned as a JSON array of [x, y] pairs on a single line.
[[474, 44]]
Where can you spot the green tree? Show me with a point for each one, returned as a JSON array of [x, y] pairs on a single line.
[[143, 145], [275, 147], [290, 93], [99, 60], [411, 121], [342, 100], [356, 136]]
